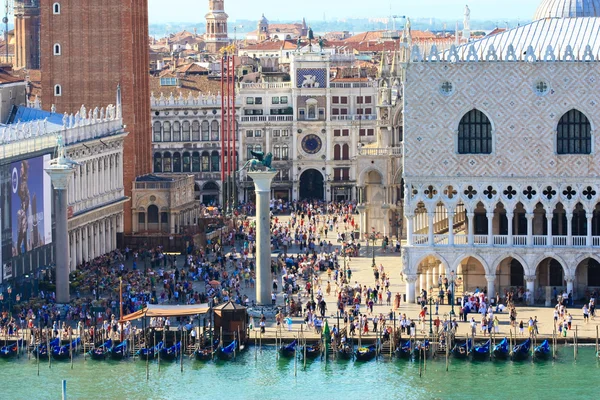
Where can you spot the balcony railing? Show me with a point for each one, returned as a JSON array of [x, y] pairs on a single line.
[[267, 85], [422, 239], [268, 118], [354, 117], [380, 151]]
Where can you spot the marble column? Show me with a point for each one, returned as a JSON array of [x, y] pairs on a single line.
[[530, 283], [262, 188], [410, 288], [421, 280], [509, 217], [60, 174], [569, 214], [471, 227], [491, 285], [85, 243], [549, 229], [430, 232], [79, 247], [409, 228], [570, 279], [588, 240], [451, 228], [72, 249], [490, 226]]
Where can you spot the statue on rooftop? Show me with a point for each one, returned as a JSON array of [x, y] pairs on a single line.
[[467, 19]]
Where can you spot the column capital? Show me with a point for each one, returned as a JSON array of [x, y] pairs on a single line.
[[569, 278], [549, 215], [529, 278], [470, 214], [490, 277], [489, 214], [410, 278], [529, 216], [589, 215]]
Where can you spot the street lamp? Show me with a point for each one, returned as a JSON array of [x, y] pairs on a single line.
[[430, 308], [452, 313], [373, 237]]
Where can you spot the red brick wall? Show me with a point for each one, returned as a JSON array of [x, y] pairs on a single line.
[[104, 43]]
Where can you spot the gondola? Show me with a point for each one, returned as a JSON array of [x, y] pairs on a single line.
[[206, 353], [501, 350], [11, 350], [120, 351], [288, 350], [311, 352], [366, 353], [522, 351], [149, 353], [404, 351], [227, 353], [461, 351], [99, 353], [482, 351], [170, 353], [41, 350], [542, 351], [61, 353], [421, 348], [345, 352]]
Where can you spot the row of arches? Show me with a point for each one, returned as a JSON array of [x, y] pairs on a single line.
[[341, 152], [573, 133], [187, 161], [186, 131]]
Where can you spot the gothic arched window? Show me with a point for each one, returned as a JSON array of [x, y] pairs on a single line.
[[186, 131], [345, 152], [56, 8], [176, 162], [157, 129], [215, 161], [214, 131], [336, 152], [574, 134], [166, 131], [474, 133], [56, 49], [205, 131], [157, 162], [176, 131]]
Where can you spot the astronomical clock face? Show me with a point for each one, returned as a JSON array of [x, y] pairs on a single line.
[[311, 144]]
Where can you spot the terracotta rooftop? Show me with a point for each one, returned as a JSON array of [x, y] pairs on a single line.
[[271, 45], [193, 84]]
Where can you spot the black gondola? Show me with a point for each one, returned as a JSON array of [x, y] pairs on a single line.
[[461, 351], [482, 351], [227, 353], [542, 351], [99, 353], [501, 350], [404, 351], [41, 350], [312, 352], [149, 353], [62, 353], [170, 353], [345, 352], [120, 351], [11, 350], [421, 348], [288, 350], [366, 353], [522, 351]]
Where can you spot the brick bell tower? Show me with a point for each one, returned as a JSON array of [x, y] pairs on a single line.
[[216, 26], [27, 34]]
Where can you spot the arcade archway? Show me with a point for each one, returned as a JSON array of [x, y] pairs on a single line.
[[311, 185]]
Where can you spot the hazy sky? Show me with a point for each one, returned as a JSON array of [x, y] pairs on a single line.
[[194, 10]]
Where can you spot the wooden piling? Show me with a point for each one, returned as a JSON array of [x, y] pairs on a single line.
[[255, 347], [296, 355], [181, 347], [447, 336], [575, 344], [597, 355]]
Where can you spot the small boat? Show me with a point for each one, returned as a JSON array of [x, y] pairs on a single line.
[[522, 351], [312, 352], [288, 350], [227, 353], [120, 351], [366, 353], [421, 348], [462, 351], [99, 353], [345, 352], [41, 350], [11, 350], [542, 351], [482, 352], [404, 351], [149, 353], [61, 353], [170, 353], [501, 350]]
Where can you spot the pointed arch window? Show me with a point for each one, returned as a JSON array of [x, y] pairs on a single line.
[[574, 134], [57, 51], [56, 8], [57, 90], [474, 133]]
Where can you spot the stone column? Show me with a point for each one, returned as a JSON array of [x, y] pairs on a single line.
[[421, 280], [529, 216], [59, 174], [570, 279], [588, 240], [530, 283], [491, 285], [409, 228], [471, 226], [410, 288], [428, 280], [569, 214], [509, 217], [450, 228], [549, 229], [85, 243], [72, 249], [262, 188], [172, 223], [79, 247], [430, 216], [490, 225]]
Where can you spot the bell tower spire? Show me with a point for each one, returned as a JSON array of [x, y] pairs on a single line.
[[216, 26]]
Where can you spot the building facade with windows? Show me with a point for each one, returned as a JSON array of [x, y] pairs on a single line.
[[501, 159]]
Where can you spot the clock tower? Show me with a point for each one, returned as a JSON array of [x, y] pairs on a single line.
[[216, 26]]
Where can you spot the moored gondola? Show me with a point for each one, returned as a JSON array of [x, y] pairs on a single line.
[[288, 350], [61, 353], [170, 353], [462, 350], [421, 349], [482, 352], [345, 352], [542, 352], [404, 351], [228, 352], [41, 350], [522, 351], [99, 353], [501, 350], [11, 350], [120, 351], [366, 353], [149, 353]]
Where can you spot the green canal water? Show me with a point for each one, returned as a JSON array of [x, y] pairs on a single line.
[[268, 378]]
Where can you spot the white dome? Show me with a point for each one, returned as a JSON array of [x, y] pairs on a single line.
[[567, 9]]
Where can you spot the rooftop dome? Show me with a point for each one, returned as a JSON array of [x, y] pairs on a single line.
[[567, 9]]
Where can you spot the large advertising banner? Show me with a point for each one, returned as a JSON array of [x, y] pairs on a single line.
[[30, 204]]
